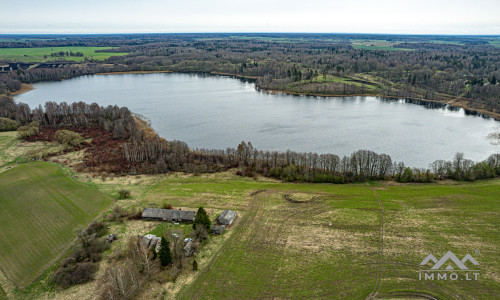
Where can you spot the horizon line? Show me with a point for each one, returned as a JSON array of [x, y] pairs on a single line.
[[251, 32]]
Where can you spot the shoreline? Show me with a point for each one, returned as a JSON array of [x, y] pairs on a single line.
[[25, 87], [132, 72], [456, 102], [235, 75]]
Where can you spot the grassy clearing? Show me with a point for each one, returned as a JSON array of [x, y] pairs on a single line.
[[14, 152], [38, 54], [39, 210], [357, 81], [377, 45], [495, 43]]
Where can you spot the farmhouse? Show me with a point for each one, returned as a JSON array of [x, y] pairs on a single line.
[[170, 215], [226, 217]]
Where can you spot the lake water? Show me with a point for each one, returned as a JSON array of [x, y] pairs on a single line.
[[220, 112]]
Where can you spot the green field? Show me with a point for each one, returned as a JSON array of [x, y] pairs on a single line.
[[38, 54], [377, 45], [331, 245], [40, 208]]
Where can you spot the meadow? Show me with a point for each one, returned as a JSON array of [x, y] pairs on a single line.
[[43, 54], [329, 241], [40, 208]]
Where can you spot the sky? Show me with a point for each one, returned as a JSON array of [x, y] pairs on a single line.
[[332, 16]]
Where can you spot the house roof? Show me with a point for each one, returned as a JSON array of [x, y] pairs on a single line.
[[168, 214]]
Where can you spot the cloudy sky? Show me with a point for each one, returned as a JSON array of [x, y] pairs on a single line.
[[347, 16]]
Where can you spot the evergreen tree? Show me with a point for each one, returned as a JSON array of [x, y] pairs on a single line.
[[493, 80], [195, 265], [202, 218], [164, 253]]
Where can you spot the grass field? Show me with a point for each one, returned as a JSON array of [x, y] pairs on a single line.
[[40, 208], [360, 82], [38, 54], [329, 247], [340, 241], [377, 45]]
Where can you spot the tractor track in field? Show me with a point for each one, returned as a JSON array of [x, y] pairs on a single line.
[[314, 208], [253, 207], [380, 252], [260, 239], [408, 294]]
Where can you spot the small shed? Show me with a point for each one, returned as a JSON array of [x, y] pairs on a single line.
[[227, 217], [218, 229], [169, 215]]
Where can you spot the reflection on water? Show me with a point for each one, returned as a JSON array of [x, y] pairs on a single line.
[[218, 112]]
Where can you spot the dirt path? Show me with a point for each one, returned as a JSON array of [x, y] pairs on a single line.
[[380, 259]]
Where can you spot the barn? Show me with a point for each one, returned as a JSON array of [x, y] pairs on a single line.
[[169, 215]]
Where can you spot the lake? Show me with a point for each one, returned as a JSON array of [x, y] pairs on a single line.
[[220, 112]]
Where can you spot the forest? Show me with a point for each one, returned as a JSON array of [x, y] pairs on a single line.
[[462, 70]]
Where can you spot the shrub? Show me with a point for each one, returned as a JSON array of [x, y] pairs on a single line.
[[200, 233], [26, 131], [123, 194], [74, 274], [98, 228], [137, 215], [117, 214], [167, 206], [69, 138], [34, 124], [8, 124]]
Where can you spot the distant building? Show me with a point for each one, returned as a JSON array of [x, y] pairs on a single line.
[[218, 229], [169, 215], [226, 217]]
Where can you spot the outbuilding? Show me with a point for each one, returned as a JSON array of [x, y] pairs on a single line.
[[218, 229], [150, 241], [227, 217], [189, 248]]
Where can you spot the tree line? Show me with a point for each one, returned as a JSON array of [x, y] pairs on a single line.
[[141, 152]]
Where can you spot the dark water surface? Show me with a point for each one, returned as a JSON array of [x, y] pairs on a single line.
[[220, 112]]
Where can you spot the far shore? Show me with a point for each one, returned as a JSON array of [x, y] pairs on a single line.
[[461, 103], [132, 72]]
